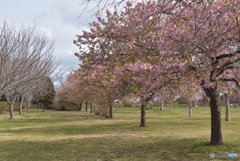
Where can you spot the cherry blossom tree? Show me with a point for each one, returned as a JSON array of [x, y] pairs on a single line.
[[77, 88], [194, 41]]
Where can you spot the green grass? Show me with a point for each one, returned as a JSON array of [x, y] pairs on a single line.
[[169, 135]]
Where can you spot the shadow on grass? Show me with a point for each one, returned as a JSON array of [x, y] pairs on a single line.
[[90, 126], [114, 147], [74, 129], [52, 117]]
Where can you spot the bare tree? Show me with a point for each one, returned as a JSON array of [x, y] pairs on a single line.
[[11, 97], [26, 57]]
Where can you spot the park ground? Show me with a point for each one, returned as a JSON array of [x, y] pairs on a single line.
[[78, 135]]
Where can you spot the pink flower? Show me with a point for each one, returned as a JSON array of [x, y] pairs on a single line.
[[128, 4], [93, 30], [115, 13], [108, 13], [184, 3]]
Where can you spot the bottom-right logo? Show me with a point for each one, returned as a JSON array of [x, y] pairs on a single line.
[[212, 155]]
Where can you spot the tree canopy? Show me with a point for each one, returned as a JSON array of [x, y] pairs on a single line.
[[157, 46]]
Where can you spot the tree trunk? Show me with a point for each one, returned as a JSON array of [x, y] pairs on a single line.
[[143, 115], [111, 112], [190, 111], [193, 103], [80, 108], [91, 110], [35, 106], [190, 108], [28, 107], [161, 106], [20, 106], [10, 103], [216, 132], [44, 108], [11, 111], [227, 112], [86, 106]]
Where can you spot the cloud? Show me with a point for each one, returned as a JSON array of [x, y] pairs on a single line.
[[58, 19]]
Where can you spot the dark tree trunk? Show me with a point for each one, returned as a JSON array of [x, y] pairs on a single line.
[[111, 111], [35, 106], [20, 106], [143, 115], [91, 109], [80, 108], [190, 107], [193, 103], [28, 107], [20, 110], [161, 106], [227, 112], [216, 132], [86, 106], [20, 103], [44, 107], [11, 111]]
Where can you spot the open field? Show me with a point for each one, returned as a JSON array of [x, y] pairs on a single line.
[[169, 135]]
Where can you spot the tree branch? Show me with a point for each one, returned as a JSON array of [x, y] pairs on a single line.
[[232, 80]]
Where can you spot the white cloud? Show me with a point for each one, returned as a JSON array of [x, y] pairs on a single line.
[[58, 18]]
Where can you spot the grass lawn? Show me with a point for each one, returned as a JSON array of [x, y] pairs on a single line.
[[169, 135]]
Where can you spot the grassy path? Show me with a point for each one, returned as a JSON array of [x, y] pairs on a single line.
[[169, 135]]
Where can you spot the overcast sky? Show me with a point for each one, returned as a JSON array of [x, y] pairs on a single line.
[[59, 18]]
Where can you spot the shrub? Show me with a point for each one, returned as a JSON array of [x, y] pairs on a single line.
[[222, 103], [65, 106], [5, 105], [127, 104], [1, 108], [203, 104], [96, 110], [38, 106], [181, 106], [15, 107], [3, 98]]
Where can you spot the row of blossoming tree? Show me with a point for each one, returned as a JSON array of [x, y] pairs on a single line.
[[155, 47]]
